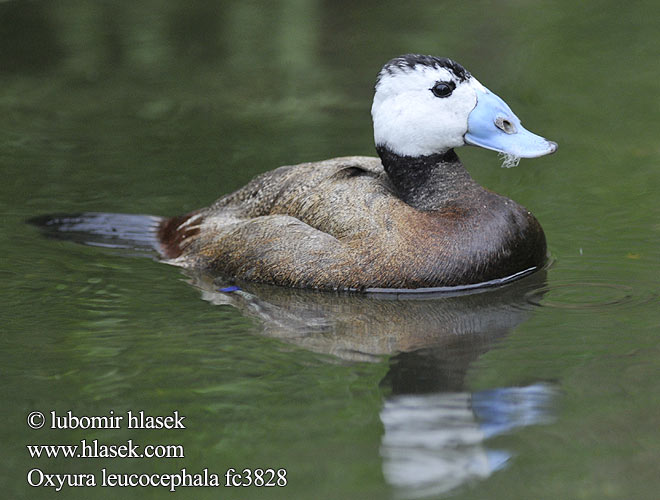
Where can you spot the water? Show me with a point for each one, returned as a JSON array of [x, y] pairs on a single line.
[[544, 388]]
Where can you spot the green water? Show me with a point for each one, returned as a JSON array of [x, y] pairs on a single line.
[[151, 107]]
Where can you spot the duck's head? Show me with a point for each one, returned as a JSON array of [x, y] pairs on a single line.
[[426, 105]]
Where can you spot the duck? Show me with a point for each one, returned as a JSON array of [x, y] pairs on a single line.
[[412, 218]]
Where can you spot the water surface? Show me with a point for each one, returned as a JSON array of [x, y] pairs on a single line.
[[545, 388]]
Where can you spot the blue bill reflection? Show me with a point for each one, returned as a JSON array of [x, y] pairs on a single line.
[[433, 443]]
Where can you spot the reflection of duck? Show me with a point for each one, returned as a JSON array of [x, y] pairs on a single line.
[[413, 219], [434, 429], [431, 335]]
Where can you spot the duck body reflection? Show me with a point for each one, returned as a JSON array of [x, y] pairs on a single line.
[[434, 428], [363, 327]]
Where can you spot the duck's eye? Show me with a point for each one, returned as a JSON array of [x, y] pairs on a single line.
[[443, 89]]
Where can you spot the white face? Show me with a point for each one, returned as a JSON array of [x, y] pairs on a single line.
[[410, 120]]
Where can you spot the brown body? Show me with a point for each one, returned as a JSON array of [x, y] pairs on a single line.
[[344, 224]]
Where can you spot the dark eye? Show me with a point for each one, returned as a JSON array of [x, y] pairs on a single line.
[[443, 89]]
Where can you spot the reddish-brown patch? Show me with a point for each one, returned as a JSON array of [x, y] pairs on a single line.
[[171, 235]]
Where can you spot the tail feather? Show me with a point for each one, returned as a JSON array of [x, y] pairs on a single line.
[[120, 231]]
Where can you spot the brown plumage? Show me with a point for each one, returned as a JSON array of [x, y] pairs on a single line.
[[344, 224]]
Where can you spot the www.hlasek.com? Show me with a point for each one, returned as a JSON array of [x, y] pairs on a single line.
[[36, 477], [94, 449]]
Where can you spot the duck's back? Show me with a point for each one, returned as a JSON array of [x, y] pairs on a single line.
[[339, 224]]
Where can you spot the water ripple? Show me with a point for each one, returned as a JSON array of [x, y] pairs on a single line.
[[589, 295]]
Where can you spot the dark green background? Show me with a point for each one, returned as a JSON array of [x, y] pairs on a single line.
[[161, 107]]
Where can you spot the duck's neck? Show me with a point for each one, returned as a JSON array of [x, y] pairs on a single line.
[[427, 182]]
